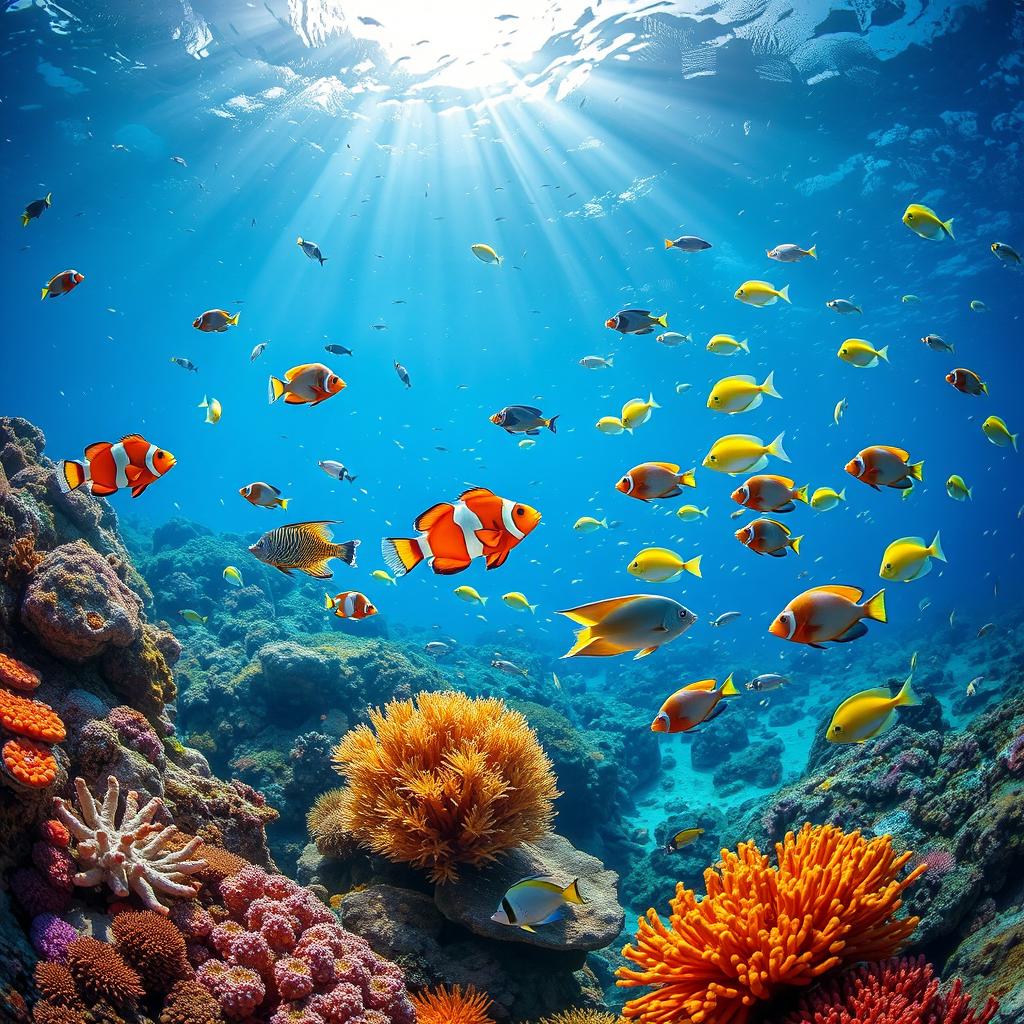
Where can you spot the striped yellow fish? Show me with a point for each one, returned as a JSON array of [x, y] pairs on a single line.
[[304, 546]]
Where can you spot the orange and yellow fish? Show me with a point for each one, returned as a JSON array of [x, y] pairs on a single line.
[[62, 283], [881, 465], [768, 493], [695, 703], [110, 466], [478, 524], [829, 613], [307, 384], [350, 604], [652, 480]]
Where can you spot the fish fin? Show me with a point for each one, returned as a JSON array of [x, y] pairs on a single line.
[[279, 568], [550, 424], [346, 551], [745, 345], [589, 646], [318, 570], [728, 688], [813, 252], [319, 527], [715, 712], [947, 226], [688, 478], [593, 613], [883, 353], [663, 319], [533, 608], [917, 470], [644, 653], [693, 566], [476, 492], [670, 466], [852, 594], [571, 893], [328, 601], [874, 607], [426, 520], [448, 566], [906, 698], [901, 485], [776, 449], [25, 218], [855, 632], [583, 638], [401, 554], [777, 553], [794, 543], [768, 387], [70, 476], [668, 243], [788, 507], [489, 538], [497, 559], [984, 387], [526, 927], [275, 389], [784, 293], [138, 491], [935, 548], [800, 494], [132, 473], [46, 291], [101, 490], [650, 394], [233, 320], [283, 502]]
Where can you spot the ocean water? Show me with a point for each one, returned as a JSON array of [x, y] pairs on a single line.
[[574, 139]]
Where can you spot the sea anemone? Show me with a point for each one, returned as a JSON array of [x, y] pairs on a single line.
[[444, 1006], [760, 929], [444, 780], [582, 1017], [101, 973], [326, 822], [153, 946]]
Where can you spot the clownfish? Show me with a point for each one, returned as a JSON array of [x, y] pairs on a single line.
[[478, 525], [350, 604], [62, 283], [107, 467]]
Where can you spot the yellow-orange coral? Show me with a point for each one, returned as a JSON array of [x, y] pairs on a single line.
[[831, 901], [17, 675], [326, 823], [31, 718], [29, 763], [444, 780], [582, 1017], [444, 1006]]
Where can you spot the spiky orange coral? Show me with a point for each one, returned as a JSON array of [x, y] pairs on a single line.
[[444, 780], [152, 946], [444, 1006], [17, 675], [31, 718], [29, 763], [831, 901]]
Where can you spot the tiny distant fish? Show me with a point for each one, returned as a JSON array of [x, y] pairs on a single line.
[[790, 253], [436, 648], [687, 243], [1005, 253], [338, 350], [194, 618], [837, 413], [179, 160], [670, 339], [986, 629], [35, 209], [523, 419], [311, 249], [843, 306], [596, 362], [213, 409], [936, 343], [62, 283], [683, 838], [725, 618], [257, 351], [185, 364], [263, 495], [978, 306], [379, 327], [215, 321], [635, 321], [336, 470], [403, 374], [508, 667], [766, 682], [972, 686]]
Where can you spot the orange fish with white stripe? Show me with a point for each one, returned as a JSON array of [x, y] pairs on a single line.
[[350, 604], [108, 467], [62, 283], [478, 525]]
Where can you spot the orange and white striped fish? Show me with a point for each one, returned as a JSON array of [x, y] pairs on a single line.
[[350, 604], [62, 283], [478, 525], [108, 467]]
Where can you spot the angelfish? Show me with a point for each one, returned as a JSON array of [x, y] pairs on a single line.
[[535, 901]]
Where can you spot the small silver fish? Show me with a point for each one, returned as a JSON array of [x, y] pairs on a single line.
[[311, 249], [837, 412], [766, 682], [508, 667], [843, 306], [725, 617], [790, 253], [336, 470], [185, 364], [257, 351], [936, 343], [403, 374], [595, 362], [436, 648]]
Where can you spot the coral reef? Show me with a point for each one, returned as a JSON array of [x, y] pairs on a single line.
[[451, 1006], [582, 1017], [445, 780], [126, 851], [326, 822], [831, 900]]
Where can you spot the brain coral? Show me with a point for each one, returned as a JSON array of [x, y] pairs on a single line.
[[443, 780], [444, 1006], [831, 901]]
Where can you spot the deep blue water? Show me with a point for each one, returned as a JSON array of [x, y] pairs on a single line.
[[747, 127]]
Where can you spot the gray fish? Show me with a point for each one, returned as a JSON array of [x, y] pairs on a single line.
[[687, 243], [304, 546], [766, 682], [936, 343], [635, 321], [1001, 251], [311, 249], [508, 667], [843, 306], [336, 469], [179, 160], [36, 207], [725, 617], [790, 253], [596, 362], [185, 364], [403, 374], [436, 648], [523, 419], [257, 351], [338, 350]]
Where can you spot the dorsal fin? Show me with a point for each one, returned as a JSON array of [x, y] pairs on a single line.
[[134, 437], [476, 492], [591, 614], [853, 594], [95, 448], [670, 466], [318, 527], [425, 520]]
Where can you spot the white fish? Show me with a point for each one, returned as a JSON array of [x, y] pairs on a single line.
[[725, 617]]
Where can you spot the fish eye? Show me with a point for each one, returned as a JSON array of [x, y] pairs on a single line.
[[888, 566], [837, 728], [714, 458], [715, 398], [520, 511]]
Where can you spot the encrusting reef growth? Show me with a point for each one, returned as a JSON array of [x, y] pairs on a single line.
[[139, 885]]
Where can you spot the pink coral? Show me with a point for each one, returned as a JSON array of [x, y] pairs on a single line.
[[279, 931], [35, 895], [320, 960], [193, 920], [238, 989], [938, 861], [55, 864], [243, 888], [250, 949], [339, 1005], [224, 934], [135, 732], [293, 978]]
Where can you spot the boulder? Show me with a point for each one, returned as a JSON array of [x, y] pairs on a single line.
[[472, 900]]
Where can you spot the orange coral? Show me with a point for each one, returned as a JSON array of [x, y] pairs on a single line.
[[442, 1006], [17, 675], [31, 718], [22, 560], [153, 947], [831, 901], [56, 985], [29, 763], [101, 973], [444, 780]]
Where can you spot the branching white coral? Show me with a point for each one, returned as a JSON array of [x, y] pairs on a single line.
[[129, 856]]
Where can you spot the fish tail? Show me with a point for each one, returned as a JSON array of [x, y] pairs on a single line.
[[275, 389], [71, 476], [906, 698], [650, 395], [345, 551], [668, 243], [984, 387], [784, 293], [571, 893], [283, 502], [883, 353], [233, 320], [205, 403], [776, 449], [704, 511], [323, 260], [768, 387], [800, 494], [813, 252], [936, 548], [604, 522], [501, 259], [550, 424], [298, 241], [583, 639], [947, 226], [693, 566], [917, 470], [610, 363], [663, 319], [49, 199], [688, 478], [842, 495], [483, 600], [328, 601], [25, 218], [874, 607], [46, 291], [532, 607], [794, 543], [401, 554], [745, 345], [728, 688]]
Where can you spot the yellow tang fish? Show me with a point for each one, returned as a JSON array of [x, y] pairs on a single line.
[[690, 513], [824, 499], [470, 595], [741, 393], [213, 409], [637, 411], [761, 293], [996, 430], [588, 524], [660, 565], [909, 558], [485, 254], [193, 617], [610, 425], [860, 353], [868, 714], [384, 577], [926, 223], [514, 599], [957, 488], [233, 576], [742, 453], [683, 838], [726, 345]]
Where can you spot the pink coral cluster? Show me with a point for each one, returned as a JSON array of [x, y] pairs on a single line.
[[135, 732], [280, 955]]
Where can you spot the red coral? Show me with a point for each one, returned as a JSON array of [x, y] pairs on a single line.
[[55, 833], [902, 990], [31, 718], [17, 675], [101, 973], [29, 763], [56, 865]]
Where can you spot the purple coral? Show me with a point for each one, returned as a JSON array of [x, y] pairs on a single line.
[[134, 731], [35, 895], [55, 864], [51, 936]]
